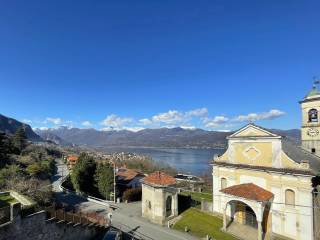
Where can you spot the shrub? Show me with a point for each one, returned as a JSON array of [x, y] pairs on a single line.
[[133, 194]]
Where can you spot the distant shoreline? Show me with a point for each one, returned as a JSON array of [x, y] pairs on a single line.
[[148, 147]]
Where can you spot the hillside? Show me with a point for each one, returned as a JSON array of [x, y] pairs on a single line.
[[10, 126]]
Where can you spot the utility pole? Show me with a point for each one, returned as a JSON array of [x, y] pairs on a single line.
[[114, 182]]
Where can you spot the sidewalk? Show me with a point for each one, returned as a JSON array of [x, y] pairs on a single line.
[[127, 217]]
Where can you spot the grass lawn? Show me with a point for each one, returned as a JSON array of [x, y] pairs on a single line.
[[201, 224], [198, 196], [6, 200]]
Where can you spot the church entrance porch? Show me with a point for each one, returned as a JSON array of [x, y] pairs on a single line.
[[246, 210], [243, 214], [242, 231]]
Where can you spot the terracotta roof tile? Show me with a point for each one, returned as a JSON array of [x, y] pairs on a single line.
[[72, 158], [248, 191], [128, 174], [159, 178]]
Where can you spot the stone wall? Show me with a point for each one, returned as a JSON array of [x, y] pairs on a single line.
[[316, 213], [36, 226], [206, 206]]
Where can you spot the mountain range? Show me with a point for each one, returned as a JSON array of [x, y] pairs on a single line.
[[10, 126], [161, 137]]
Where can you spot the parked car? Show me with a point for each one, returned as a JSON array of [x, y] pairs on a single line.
[[113, 234]]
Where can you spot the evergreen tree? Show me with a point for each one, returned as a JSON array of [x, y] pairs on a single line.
[[104, 179], [82, 175], [19, 140], [5, 149]]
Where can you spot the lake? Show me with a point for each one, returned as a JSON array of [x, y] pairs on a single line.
[[194, 161]]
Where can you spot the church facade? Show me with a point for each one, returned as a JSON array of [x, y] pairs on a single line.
[[264, 182]]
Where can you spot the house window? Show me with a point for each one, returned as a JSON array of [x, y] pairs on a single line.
[[290, 197], [313, 115], [313, 150], [223, 183]]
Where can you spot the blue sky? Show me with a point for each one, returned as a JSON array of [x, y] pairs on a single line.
[[137, 64]]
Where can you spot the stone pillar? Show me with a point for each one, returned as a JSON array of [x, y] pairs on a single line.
[[202, 205], [260, 230], [224, 228], [259, 216], [176, 206]]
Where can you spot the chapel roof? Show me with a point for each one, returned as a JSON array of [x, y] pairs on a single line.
[[248, 191], [72, 158], [159, 178]]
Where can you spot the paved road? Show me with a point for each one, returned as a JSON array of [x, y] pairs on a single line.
[[62, 171], [127, 217]]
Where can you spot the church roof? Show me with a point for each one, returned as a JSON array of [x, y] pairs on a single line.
[[262, 132], [313, 95], [298, 154], [248, 191], [313, 92], [159, 178]]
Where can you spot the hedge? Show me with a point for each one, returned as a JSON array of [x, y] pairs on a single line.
[[132, 195]]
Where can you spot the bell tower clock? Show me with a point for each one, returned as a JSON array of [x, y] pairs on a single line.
[[310, 130]]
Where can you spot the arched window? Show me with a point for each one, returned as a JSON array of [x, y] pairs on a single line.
[[313, 115], [223, 183], [290, 197]]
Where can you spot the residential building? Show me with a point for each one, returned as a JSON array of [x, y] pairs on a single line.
[[71, 161]]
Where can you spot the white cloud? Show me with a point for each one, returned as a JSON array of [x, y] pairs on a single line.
[[252, 117], [199, 112], [27, 121], [223, 130], [133, 129], [215, 122], [170, 117], [188, 127], [174, 118], [86, 123], [54, 120], [145, 121], [41, 128], [115, 121]]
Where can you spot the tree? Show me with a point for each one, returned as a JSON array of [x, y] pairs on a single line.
[[8, 173], [82, 175], [104, 179], [35, 169], [19, 140], [3, 149]]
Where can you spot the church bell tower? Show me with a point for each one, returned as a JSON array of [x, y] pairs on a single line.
[[310, 129]]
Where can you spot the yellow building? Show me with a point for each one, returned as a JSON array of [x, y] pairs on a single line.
[[263, 182]]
